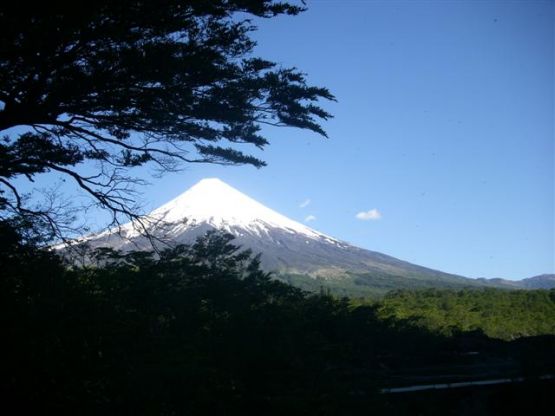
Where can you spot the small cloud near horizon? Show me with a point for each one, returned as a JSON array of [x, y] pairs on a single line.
[[304, 203], [372, 214], [310, 218]]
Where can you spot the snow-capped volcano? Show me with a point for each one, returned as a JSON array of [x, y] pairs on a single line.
[[286, 246], [210, 203], [213, 202]]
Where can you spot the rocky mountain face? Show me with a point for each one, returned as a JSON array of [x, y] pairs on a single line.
[[293, 251]]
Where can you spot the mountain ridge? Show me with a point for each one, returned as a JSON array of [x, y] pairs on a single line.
[[542, 281]]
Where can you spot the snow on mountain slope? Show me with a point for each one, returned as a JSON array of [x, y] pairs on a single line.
[[213, 202], [209, 204]]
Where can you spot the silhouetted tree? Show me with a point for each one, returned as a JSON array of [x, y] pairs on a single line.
[[200, 329], [135, 82]]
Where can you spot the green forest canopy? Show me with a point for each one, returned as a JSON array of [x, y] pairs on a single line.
[[505, 314]]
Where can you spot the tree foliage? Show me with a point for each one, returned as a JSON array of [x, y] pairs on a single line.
[[135, 82], [200, 329], [504, 314]]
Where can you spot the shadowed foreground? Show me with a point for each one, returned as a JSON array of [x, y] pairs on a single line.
[[202, 330]]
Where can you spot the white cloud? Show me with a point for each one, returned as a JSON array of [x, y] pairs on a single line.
[[309, 218], [304, 203], [372, 214]]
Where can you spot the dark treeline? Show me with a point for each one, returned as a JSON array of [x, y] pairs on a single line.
[[202, 330]]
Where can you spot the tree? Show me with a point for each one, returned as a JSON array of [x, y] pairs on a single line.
[[117, 85]]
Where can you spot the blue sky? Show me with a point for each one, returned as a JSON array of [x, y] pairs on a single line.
[[442, 140]]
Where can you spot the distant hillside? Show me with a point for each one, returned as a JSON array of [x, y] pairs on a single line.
[[543, 281], [376, 284]]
